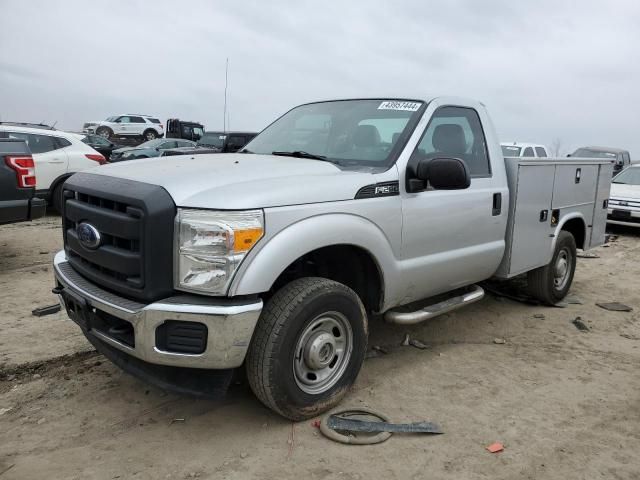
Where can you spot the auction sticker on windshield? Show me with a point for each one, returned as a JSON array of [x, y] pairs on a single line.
[[395, 105]]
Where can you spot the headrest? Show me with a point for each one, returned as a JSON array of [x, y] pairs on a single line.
[[366, 136], [449, 138]]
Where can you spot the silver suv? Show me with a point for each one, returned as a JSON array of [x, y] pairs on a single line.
[[127, 125]]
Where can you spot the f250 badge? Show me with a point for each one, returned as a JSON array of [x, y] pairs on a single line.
[[390, 189]]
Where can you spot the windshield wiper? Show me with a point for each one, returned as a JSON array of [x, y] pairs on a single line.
[[244, 150], [302, 154]]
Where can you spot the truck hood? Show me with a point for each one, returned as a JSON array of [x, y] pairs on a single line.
[[243, 181], [622, 190]]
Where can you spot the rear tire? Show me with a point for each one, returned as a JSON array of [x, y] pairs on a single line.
[[56, 198], [104, 132], [308, 347], [149, 134], [551, 283]]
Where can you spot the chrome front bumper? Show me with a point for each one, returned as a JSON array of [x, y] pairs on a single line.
[[229, 324]]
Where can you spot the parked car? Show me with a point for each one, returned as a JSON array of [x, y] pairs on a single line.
[[187, 151], [152, 148], [177, 128], [18, 183], [126, 125], [57, 155], [529, 150], [100, 144], [273, 259], [226, 142], [621, 157], [624, 202]]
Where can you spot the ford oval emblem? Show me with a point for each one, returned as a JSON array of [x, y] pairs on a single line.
[[88, 235]]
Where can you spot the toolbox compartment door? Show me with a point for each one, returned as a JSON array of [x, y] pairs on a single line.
[[600, 207], [574, 185], [531, 236]]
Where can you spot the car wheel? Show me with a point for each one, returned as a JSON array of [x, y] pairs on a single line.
[[308, 347], [150, 134], [104, 132], [551, 283]]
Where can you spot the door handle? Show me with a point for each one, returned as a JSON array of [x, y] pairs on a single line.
[[55, 160], [497, 204]]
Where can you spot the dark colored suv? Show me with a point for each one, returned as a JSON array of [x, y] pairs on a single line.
[[18, 183], [226, 141]]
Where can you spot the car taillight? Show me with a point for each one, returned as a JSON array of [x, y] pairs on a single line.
[[96, 157], [25, 170]]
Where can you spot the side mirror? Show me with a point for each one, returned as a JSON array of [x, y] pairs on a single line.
[[444, 173]]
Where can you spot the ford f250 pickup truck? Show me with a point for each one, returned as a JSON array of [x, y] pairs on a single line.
[[273, 258]]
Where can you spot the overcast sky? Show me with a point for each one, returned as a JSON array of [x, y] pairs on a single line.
[[545, 69]]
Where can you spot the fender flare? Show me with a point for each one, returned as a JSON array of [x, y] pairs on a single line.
[[262, 267], [561, 225]]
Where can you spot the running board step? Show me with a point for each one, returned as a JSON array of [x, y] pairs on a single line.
[[408, 318]]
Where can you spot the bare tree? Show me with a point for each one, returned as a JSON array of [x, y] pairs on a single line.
[[556, 146]]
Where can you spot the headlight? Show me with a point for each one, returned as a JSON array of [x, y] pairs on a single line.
[[211, 245]]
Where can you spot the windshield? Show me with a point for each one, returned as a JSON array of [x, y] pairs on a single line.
[[345, 132], [511, 151], [630, 176], [212, 139], [586, 153], [111, 119]]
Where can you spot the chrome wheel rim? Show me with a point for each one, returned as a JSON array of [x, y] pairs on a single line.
[[104, 133], [322, 353], [562, 269], [151, 136]]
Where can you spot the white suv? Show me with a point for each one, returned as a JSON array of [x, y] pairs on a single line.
[[126, 125], [57, 155]]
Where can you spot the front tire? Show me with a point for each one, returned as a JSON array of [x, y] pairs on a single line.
[[308, 347], [551, 283]]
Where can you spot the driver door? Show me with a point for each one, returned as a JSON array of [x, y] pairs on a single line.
[[452, 238]]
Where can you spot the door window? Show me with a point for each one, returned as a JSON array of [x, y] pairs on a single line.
[[528, 152], [136, 120], [184, 143], [541, 152], [455, 132], [123, 120], [166, 145]]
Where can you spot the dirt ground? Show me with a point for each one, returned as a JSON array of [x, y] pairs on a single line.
[[565, 403]]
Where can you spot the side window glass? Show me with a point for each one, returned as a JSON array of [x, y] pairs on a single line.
[[136, 120], [455, 132], [541, 152], [166, 145], [528, 152], [62, 142], [37, 143], [123, 120]]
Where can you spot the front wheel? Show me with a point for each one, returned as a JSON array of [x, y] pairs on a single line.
[[551, 283], [308, 347]]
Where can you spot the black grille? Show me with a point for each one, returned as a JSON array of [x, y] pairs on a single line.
[[135, 221]]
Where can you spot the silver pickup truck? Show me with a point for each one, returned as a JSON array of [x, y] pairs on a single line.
[[181, 270]]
